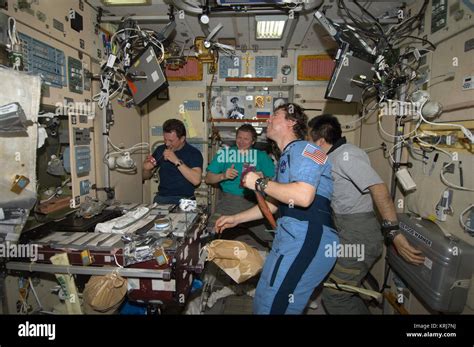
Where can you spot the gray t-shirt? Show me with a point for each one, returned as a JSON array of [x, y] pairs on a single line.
[[352, 176]]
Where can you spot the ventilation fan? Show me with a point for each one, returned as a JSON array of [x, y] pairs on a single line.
[[209, 42], [205, 47]]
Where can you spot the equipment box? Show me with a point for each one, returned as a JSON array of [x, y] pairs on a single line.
[[442, 282]]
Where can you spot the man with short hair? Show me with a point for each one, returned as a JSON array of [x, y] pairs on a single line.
[[298, 261], [236, 112], [180, 165], [356, 188], [229, 165]]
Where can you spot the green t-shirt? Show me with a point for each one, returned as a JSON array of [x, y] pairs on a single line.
[[227, 156]]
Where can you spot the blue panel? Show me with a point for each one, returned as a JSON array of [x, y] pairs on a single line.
[[84, 187], [192, 105], [44, 60], [156, 131], [229, 67], [266, 66], [83, 160]]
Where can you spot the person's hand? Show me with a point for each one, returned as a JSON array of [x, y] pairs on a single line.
[[406, 251], [149, 163], [230, 173], [169, 155], [260, 174], [225, 222], [249, 180]]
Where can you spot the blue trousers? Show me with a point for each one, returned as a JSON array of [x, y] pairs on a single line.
[[298, 263]]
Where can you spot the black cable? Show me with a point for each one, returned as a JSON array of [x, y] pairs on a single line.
[[385, 279], [417, 38], [371, 16]]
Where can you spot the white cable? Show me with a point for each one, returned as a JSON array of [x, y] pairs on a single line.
[[15, 41], [12, 33], [390, 152], [395, 136], [346, 125], [443, 179], [116, 262], [469, 228], [40, 307], [139, 148], [465, 131]]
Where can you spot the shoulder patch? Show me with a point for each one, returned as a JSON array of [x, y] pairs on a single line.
[[315, 154]]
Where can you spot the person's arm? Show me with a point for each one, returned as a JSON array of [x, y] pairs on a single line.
[[213, 178], [383, 202], [148, 167], [193, 175], [229, 174], [297, 193], [253, 213]]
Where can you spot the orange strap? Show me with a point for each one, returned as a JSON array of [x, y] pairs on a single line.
[[265, 209]]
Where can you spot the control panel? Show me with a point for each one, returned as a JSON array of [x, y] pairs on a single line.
[[44, 60]]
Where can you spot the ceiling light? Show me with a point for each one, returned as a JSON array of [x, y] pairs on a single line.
[[125, 2], [204, 19], [270, 27]]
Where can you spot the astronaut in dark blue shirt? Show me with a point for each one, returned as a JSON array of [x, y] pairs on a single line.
[[180, 165], [303, 249]]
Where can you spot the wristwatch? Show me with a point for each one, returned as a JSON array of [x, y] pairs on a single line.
[[261, 184], [179, 163], [390, 229]]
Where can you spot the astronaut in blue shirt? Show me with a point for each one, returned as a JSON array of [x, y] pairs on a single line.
[[303, 251]]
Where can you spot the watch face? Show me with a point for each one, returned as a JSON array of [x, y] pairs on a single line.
[[286, 69]]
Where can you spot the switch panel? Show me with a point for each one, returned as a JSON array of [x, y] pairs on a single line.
[[83, 160], [85, 187], [82, 136], [45, 60], [75, 75], [468, 83]]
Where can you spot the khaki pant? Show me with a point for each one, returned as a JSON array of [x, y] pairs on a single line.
[[360, 231]]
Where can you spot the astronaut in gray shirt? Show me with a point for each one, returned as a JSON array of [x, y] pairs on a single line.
[[357, 187]]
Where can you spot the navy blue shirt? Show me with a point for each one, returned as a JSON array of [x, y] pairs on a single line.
[[172, 181]]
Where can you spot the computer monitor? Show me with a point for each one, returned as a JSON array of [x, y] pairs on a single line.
[[354, 68], [145, 77], [350, 77]]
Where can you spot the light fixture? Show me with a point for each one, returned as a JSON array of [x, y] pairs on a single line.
[[125, 2], [204, 19], [270, 27]]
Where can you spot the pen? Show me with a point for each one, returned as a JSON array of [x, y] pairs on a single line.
[[433, 164], [461, 178]]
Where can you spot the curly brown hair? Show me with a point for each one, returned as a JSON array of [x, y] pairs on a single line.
[[295, 112]]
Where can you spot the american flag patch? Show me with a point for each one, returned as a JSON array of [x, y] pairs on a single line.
[[315, 154]]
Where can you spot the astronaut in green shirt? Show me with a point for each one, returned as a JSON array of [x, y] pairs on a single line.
[[227, 166]]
